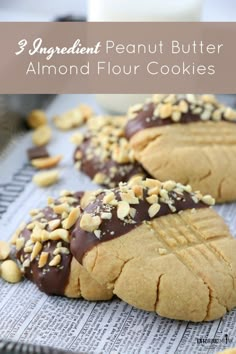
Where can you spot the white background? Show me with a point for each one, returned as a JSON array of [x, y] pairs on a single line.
[[31, 10]]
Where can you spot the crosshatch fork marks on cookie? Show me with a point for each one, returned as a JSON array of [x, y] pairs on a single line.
[[193, 251], [202, 260], [202, 154]]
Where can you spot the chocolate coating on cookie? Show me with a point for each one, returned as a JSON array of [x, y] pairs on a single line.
[[171, 109], [105, 155], [115, 212], [43, 246], [50, 280], [106, 172]]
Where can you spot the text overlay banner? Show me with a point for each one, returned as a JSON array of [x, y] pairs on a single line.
[[118, 57]]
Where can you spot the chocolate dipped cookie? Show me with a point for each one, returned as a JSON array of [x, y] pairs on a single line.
[[159, 247], [43, 250], [189, 138], [104, 154]]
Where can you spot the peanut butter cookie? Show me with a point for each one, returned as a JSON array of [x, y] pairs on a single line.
[[189, 138], [159, 247], [104, 154], [43, 250]]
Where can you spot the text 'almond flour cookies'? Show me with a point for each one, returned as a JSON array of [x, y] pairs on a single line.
[[159, 247], [43, 250], [103, 153], [189, 138]]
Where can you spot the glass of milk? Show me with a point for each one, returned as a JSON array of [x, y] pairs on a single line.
[[135, 11], [149, 10]]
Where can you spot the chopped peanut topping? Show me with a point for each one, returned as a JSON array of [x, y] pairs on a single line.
[[36, 234], [162, 251], [10, 271], [20, 243], [127, 201], [73, 118], [55, 261], [169, 185], [153, 209], [72, 218], [46, 162], [108, 198], [106, 216], [106, 146], [174, 106], [138, 191], [36, 118], [53, 224], [42, 135], [152, 199], [59, 234], [45, 179], [77, 138], [60, 208], [123, 210], [207, 199], [61, 250], [99, 178], [17, 233], [97, 233], [36, 249], [90, 223], [4, 250], [43, 259]]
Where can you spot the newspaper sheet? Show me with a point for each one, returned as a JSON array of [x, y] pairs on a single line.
[[27, 315]]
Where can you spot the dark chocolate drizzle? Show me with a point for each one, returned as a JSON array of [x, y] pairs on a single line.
[[50, 280], [82, 241], [95, 164], [145, 119]]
